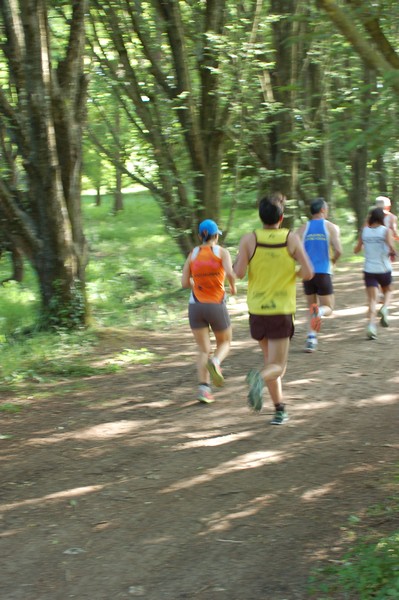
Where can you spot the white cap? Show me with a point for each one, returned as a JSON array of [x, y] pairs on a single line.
[[384, 200]]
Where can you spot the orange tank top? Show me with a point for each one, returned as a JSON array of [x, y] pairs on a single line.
[[208, 274]]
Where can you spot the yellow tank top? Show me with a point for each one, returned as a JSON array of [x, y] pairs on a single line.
[[271, 275]]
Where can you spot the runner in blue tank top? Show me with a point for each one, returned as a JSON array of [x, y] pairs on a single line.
[[319, 236]]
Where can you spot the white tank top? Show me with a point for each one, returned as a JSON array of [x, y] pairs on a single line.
[[376, 250]]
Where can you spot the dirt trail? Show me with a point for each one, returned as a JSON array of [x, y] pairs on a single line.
[[123, 486]]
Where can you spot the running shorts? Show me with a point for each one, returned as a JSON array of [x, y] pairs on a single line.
[[376, 279], [271, 327], [320, 284], [215, 316]]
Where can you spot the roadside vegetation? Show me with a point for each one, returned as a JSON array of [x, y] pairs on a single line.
[[369, 568], [133, 282]]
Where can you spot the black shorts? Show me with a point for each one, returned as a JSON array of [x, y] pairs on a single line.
[[378, 279], [320, 284], [271, 327], [215, 316]]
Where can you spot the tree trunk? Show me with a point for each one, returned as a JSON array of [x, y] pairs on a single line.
[[321, 164], [118, 196], [359, 163], [284, 79], [47, 122], [358, 193], [98, 195]]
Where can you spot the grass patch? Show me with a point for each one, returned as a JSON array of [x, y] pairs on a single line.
[[134, 272], [9, 407], [132, 356], [47, 355]]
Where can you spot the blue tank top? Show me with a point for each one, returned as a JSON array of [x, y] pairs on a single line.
[[316, 240]]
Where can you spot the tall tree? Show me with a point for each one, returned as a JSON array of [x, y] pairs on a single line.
[[173, 65], [360, 23], [42, 103]]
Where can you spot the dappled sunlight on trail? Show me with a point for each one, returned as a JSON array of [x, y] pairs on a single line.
[[252, 460]]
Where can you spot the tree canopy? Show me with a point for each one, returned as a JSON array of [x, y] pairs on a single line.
[[205, 104]]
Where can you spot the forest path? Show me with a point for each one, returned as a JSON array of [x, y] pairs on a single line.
[[121, 486]]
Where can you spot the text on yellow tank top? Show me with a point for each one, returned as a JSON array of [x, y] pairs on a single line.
[[271, 275]]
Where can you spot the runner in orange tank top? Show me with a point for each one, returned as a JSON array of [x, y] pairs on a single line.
[[205, 270]]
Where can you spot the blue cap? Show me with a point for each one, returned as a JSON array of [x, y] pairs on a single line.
[[208, 227]]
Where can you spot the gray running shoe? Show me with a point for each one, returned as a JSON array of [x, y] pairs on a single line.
[[371, 332], [255, 394]]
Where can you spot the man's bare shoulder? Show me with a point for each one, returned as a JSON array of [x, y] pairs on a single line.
[[332, 226], [248, 237], [301, 229]]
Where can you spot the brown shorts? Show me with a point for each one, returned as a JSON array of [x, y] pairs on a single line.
[[271, 327], [214, 316]]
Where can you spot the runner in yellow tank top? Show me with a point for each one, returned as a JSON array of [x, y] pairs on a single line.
[[270, 255], [271, 291]]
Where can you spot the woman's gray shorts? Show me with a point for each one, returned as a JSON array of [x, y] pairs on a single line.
[[215, 316]]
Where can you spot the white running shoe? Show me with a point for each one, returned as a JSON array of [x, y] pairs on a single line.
[[383, 314], [311, 344]]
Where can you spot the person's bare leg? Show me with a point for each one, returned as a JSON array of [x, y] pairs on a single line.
[[275, 354], [311, 299], [326, 305], [223, 343], [372, 297], [203, 342], [387, 293]]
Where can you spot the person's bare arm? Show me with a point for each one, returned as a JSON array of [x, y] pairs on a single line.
[[300, 231], [245, 252], [390, 243], [359, 244], [228, 267], [186, 281], [297, 251], [395, 227], [335, 241]]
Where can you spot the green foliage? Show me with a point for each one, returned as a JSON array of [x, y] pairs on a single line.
[[369, 569], [133, 277], [65, 311], [9, 407], [19, 302], [42, 356], [133, 280]]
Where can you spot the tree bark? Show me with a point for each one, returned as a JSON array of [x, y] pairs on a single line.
[[284, 80], [46, 120]]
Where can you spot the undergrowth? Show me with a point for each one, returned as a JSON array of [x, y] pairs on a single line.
[[369, 569]]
